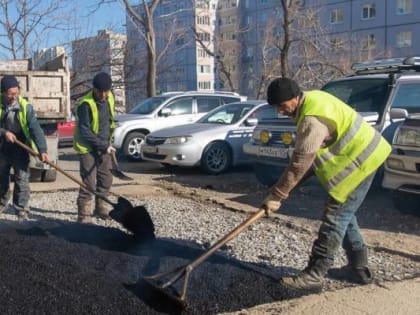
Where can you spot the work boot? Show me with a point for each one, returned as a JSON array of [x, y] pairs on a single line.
[[311, 278], [4, 201], [101, 209], [84, 213], [356, 271], [21, 213]]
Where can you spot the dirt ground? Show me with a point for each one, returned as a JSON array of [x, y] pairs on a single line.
[[382, 225]]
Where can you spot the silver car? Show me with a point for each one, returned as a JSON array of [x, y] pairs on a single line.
[[214, 142]]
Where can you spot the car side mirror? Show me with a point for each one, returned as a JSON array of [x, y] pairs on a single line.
[[251, 121], [165, 112], [398, 113]]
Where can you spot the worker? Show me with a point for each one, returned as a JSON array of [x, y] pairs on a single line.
[[344, 152], [92, 140], [17, 122]]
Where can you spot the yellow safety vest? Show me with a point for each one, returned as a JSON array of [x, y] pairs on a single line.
[[357, 151], [78, 144], [23, 122]]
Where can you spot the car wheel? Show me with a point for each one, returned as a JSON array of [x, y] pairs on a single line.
[[131, 147], [406, 203], [49, 176], [216, 159], [267, 174]]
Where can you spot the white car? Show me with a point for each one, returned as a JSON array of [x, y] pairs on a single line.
[[214, 142], [165, 110]]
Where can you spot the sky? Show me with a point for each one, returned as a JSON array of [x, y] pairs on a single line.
[[80, 19]]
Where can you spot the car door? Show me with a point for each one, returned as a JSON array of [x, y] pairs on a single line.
[[175, 113]]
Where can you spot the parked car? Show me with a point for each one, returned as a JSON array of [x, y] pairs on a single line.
[[402, 168], [165, 110], [214, 142], [374, 90], [65, 133]]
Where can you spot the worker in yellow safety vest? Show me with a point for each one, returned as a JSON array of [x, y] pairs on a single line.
[[335, 143]]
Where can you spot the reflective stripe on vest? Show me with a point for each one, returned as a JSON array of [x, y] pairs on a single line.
[[78, 144], [357, 152], [23, 122]]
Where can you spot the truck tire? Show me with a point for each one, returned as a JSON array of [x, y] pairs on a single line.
[[49, 176], [131, 146], [267, 174], [407, 203]]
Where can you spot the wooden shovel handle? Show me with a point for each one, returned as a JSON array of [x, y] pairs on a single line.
[[62, 171]]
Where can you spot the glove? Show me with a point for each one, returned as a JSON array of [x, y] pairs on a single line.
[[110, 149], [271, 204]]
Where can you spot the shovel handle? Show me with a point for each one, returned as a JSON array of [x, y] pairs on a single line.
[[62, 171]]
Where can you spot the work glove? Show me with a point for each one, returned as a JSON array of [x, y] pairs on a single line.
[[271, 204], [110, 149]]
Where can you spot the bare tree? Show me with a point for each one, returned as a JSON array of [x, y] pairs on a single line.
[[25, 23], [147, 32]]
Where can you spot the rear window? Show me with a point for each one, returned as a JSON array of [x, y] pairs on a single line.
[[227, 99], [364, 95], [207, 103]]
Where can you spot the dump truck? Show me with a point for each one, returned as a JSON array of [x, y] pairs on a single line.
[[47, 88]]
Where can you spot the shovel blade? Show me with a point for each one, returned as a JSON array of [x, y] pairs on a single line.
[[135, 219]]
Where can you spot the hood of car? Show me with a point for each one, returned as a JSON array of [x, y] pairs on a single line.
[[190, 129]]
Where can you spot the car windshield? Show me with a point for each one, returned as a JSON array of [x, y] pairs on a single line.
[[228, 114], [148, 105], [364, 95]]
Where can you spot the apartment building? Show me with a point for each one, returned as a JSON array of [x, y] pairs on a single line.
[[242, 39], [184, 63], [103, 52]]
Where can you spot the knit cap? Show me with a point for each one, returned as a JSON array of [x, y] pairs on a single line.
[[7, 82], [282, 89], [102, 81]]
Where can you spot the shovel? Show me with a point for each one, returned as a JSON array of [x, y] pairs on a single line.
[[116, 171], [135, 219], [165, 291]]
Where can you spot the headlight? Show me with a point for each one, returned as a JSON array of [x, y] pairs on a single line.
[[287, 138], [265, 136], [177, 140], [407, 137]]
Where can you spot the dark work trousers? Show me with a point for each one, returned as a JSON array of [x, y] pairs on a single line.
[[21, 190], [339, 224], [95, 173]]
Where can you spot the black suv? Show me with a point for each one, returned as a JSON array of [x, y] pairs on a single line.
[[382, 91]]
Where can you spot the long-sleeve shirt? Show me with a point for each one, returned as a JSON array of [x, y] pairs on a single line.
[[313, 133]]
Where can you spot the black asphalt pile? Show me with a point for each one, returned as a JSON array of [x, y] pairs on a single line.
[[87, 269]]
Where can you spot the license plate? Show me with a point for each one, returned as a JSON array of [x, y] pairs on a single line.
[[274, 152]]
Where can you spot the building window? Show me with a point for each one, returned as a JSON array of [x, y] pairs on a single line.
[[205, 37], [336, 16], [369, 42], [404, 6], [203, 69], [404, 39], [368, 11], [204, 85], [202, 54]]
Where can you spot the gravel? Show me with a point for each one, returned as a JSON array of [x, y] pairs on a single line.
[[52, 265]]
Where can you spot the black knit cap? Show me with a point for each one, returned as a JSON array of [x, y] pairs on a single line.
[[282, 89], [102, 81], [7, 82]]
